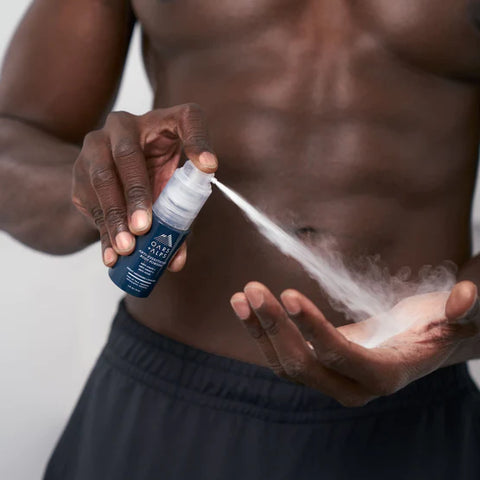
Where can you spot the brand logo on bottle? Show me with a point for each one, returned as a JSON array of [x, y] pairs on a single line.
[[161, 245], [165, 240]]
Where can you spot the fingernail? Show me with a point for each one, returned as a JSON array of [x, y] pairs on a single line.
[[241, 308], [208, 160], [124, 241], [140, 219], [255, 297], [109, 256], [291, 304]]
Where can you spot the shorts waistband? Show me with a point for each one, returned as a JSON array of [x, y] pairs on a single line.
[[224, 383]]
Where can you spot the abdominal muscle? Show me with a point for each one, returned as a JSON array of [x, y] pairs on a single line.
[[332, 137], [225, 251]]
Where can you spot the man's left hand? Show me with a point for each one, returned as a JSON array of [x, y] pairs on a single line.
[[300, 345]]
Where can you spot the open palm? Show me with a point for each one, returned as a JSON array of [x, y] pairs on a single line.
[[361, 361]]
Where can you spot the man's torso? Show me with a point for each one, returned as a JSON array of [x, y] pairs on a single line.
[[353, 119]]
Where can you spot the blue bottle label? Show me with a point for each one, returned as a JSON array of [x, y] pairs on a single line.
[[138, 272]]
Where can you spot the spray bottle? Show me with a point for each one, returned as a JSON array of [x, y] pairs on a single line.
[[173, 213]]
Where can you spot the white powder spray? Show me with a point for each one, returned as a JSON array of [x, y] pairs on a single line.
[[369, 292]]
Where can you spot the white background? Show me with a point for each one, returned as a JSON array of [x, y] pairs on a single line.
[[54, 316], [55, 313]]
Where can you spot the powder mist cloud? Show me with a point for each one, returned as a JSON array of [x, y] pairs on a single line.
[[367, 290]]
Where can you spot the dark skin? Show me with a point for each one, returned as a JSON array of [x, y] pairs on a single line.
[[356, 119]]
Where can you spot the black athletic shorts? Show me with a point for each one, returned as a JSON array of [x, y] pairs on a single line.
[[154, 408]]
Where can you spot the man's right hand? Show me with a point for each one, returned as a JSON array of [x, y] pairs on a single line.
[[125, 165]]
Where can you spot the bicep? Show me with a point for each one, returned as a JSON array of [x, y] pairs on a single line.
[[64, 64]]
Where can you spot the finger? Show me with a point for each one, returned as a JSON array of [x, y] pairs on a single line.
[[179, 259], [109, 256], [249, 320], [81, 188], [191, 127], [95, 213], [283, 333], [462, 304], [297, 360], [368, 367], [107, 187], [83, 196], [131, 166]]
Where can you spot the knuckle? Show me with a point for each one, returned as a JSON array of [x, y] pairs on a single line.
[[115, 216], [125, 148], [193, 122], [192, 110], [158, 115], [254, 330], [332, 359], [136, 194], [294, 367], [93, 140], [270, 326], [118, 117], [102, 177], [97, 216]]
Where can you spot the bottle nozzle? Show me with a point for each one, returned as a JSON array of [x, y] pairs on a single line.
[[193, 177], [183, 196]]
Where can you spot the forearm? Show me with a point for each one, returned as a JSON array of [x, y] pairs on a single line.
[[35, 190]]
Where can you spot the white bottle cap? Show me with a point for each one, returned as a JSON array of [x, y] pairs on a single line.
[[183, 196]]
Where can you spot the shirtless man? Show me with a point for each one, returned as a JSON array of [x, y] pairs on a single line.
[[360, 119]]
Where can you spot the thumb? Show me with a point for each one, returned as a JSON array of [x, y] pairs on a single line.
[[462, 304]]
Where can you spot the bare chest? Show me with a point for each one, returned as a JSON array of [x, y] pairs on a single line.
[[340, 96], [440, 35]]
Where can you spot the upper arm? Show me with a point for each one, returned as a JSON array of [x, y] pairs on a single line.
[[64, 64]]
